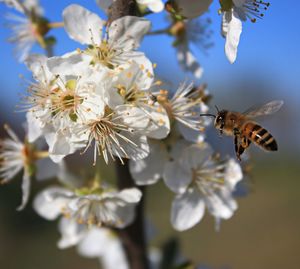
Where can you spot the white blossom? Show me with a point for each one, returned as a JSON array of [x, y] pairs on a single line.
[[185, 107], [133, 88], [200, 181], [95, 242], [99, 207], [189, 32], [112, 48], [58, 102], [16, 156], [234, 12], [28, 28]]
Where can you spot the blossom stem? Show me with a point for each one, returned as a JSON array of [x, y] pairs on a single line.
[[159, 32], [41, 154], [55, 24], [133, 236]]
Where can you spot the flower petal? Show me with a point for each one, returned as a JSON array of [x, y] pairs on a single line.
[[233, 173], [187, 210], [233, 37], [220, 206], [188, 61], [71, 233], [149, 170], [37, 64], [153, 5], [95, 242], [82, 25], [50, 202], [196, 155], [132, 195], [176, 177], [127, 32], [25, 190]]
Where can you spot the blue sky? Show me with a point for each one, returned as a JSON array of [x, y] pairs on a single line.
[[269, 51]]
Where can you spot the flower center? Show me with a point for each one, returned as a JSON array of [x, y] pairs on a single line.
[[131, 94], [106, 133], [209, 177], [66, 101], [102, 54]]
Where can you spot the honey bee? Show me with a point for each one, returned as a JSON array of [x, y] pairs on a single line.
[[244, 129]]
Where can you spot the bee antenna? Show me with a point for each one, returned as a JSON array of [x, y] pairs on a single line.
[[210, 115], [217, 109]]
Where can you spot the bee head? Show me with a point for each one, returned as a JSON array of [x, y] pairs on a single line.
[[220, 119]]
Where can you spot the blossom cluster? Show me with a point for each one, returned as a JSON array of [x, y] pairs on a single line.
[[106, 96]]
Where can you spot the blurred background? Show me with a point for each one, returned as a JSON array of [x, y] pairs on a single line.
[[264, 232]]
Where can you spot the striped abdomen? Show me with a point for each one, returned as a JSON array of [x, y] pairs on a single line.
[[260, 136]]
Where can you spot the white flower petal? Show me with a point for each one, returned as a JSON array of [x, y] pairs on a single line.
[[71, 233], [187, 210], [149, 170], [132, 116], [132, 195], [69, 64], [35, 126], [95, 242], [82, 25], [196, 155], [159, 125], [176, 177], [50, 202], [220, 207], [188, 61], [153, 5], [190, 134], [26, 182], [104, 244], [37, 64], [138, 149], [125, 215], [59, 145], [233, 37], [127, 32], [233, 173]]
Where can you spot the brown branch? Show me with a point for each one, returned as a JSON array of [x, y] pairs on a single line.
[[133, 236], [121, 8]]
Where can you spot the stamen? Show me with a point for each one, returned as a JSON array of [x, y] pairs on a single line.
[[255, 9]]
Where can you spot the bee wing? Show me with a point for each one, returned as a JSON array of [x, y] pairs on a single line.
[[266, 109]]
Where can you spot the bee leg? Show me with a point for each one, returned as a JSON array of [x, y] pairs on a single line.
[[236, 131], [244, 143], [237, 147], [241, 150]]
